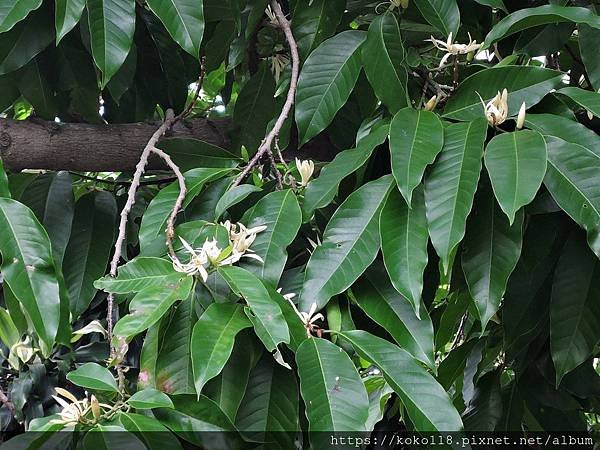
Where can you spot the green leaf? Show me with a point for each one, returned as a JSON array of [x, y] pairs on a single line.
[[29, 270], [4, 189], [571, 179], [106, 437], [574, 308], [586, 99], [532, 17], [516, 163], [149, 399], [427, 403], [416, 138], [589, 39], [442, 14], [350, 244], [150, 304], [566, 129], [9, 334], [404, 241], [66, 15], [334, 395], [139, 274], [112, 23], [524, 84], [233, 196], [497, 4], [13, 11], [383, 56], [451, 185], [280, 213], [313, 21], [326, 81], [321, 191], [213, 338], [190, 153], [149, 430], [265, 314], [382, 303], [89, 247], [491, 250], [184, 19], [93, 376]]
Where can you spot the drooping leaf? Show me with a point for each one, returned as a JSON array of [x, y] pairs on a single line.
[[34, 86], [404, 241], [442, 14], [588, 44], [233, 196], [93, 376], [427, 403], [139, 274], [587, 99], [498, 4], [13, 11], [213, 338], [416, 138], [451, 184], [516, 164], [66, 15], [326, 81], [184, 19], [149, 399], [314, 21], [350, 244]]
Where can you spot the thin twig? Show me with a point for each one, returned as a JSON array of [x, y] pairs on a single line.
[[460, 332], [266, 145], [123, 183], [187, 111]]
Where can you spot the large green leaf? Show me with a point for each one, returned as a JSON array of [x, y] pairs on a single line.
[[139, 274], [321, 191], [234, 196], [36, 89], [112, 23], [334, 395], [442, 14], [326, 81], [427, 403], [589, 38], [93, 376], [29, 270], [383, 55], [184, 19], [264, 313], [149, 305], [527, 84], [149, 430], [393, 312], [574, 308], [150, 398], [280, 213], [566, 129], [89, 247], [451, 185], [516, 163], [571, 178], [491, 250], [531, 17], [404, 241], [66, 15], [190, 153], [314, 21], [13, 11], [587, 99], [350, 244], [416, 138], [213, 338]]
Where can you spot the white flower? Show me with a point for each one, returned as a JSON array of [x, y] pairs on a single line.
[[431, 103], [198, 259], [74, 412], [496, 111], [241, 238], [93, 327], [306, 169], [308, 318], [521, 116], [454, 49], [278, 64]]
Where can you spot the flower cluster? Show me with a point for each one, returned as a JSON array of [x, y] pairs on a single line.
[[211, 255], [453, 48], [76, 411]]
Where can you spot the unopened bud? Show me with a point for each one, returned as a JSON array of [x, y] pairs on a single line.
[[521, 116], [431, 103], [404, 4], [96, 411]]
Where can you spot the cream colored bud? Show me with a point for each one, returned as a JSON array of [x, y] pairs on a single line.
[[404, 4], [306, 169], [96, 411], [521, 117], [431, 103]]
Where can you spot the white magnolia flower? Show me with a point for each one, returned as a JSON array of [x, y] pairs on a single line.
[[198, 259], [521, 116], [308, 318], [278, 64], [453, 48], [74, 412], [306, 169], [431, 103], [241, 238], [93, 327], [496, 111]]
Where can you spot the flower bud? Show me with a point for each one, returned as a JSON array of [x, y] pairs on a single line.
[[96, 411], [431, 103], [404, 4], [306, 169], [521, 117]]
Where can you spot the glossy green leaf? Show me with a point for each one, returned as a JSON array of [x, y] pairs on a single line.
[[314, 21], [516, 164], [571, 179], [13, 11], [264, 313], [213, 338], [9, 334], [587, 99], [106, 437], [36, 89], [451, 184], [233, 196], [404, 241], [29, 270], [574, 308], [442, 14], [491, 250], [524, 84], [383, 56], [416, 138], [531, 17], [112, 23], [93, 376], [427, 403], [66, 15], [321, 191], [149, 305], [184, 19], [565, 129], [4, 189], [149, 399], [190, 153], [588, 45], [149, 430], [326, 81], [350, 244], [139, 274], [334, 395], [498, 4], [382, 303], [89, 247], [280, 213]]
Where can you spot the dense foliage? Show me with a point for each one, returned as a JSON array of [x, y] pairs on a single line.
[[444, 260]]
